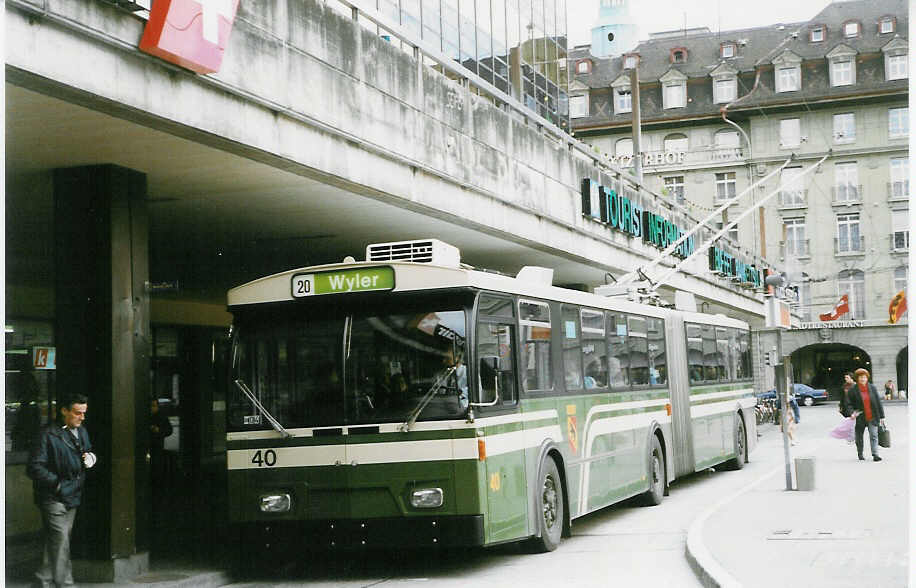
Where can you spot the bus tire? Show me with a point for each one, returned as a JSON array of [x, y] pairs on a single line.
[[740, 458], [550, 508], [657, 476]]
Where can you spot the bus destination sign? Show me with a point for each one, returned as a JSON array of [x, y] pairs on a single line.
[[343, 281]]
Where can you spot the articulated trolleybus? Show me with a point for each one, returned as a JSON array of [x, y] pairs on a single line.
[[410, 399]]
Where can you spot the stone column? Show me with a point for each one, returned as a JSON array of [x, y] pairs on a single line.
[[103, 349]]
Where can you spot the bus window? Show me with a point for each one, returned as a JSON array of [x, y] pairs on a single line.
[[594, 349], [619, 357], [496, 364], [695, 353], [744, 356], [637, 343], [658, 372], [534, 318], [710, 372], [731, 355], [572, 360], [495, 306], [721, 356]]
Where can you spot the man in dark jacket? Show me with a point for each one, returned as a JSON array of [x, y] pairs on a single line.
[[866, 406], [57, 467]]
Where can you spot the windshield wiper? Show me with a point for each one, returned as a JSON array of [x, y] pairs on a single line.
[[257, 404], [440, 381]]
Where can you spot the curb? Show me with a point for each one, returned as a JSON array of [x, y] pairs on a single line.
[[710, 572]]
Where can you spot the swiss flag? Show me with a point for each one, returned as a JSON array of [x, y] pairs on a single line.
[[841, 308], [190, 33]]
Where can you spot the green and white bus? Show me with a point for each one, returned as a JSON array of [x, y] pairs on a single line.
[[412, 400]]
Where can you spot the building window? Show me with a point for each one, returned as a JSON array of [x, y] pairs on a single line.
[[623, 147], [796, 244], [675, 95], [725, 90], [679, 55], [898, 122], [886, 25], [847, 233], [629, 62], [725, 185], [895, 67], [578, 106], [584, 67], [727, 50], [788, 79], [726, 139], [733, 233], [816, 34], [841, 72], [844, 127], [852, 283], [846, 182], [789, 132], [900, 177], [900, 278], [851, 29], [676, 142], [623, 100], [900, 221], [792, 193], [675, 187]]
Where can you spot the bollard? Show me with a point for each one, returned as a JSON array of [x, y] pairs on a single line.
[[804, 473]]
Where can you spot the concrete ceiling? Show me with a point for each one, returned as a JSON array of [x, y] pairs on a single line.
[[216, 219]]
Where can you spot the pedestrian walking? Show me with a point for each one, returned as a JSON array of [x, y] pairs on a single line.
[[889, 390], [57, 466], [848, 383], [869, 412]]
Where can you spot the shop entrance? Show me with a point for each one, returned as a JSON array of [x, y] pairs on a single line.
[[902, 370], [823, 365]]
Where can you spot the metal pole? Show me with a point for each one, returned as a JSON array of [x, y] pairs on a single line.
[[637, 123]]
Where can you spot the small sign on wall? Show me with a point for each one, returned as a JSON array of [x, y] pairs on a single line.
[[44, 358]]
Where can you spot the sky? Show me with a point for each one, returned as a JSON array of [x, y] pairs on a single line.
[[665, 15]]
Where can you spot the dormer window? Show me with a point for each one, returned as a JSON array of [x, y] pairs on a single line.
[[630, 61], [851, 29], [787, 71], [679, 55], [727, 50], [584, 66], [724, 83], [623, 97], [817, 34], [887, 24], [674, 89], [842, 61], [896, 54]]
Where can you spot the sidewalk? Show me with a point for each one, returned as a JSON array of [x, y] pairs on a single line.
[[851, 530]]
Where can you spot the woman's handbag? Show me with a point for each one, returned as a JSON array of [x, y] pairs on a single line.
[[845, 429], [884, 436]]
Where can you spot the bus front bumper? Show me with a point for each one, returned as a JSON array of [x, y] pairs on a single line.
[[380, 533]]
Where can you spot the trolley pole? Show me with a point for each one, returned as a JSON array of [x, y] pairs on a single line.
[[782, 371]]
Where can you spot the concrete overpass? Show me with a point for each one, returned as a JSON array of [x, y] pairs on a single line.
[[315, 138]]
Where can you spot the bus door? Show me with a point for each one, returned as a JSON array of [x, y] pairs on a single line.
[[497, 393], [679, 386]]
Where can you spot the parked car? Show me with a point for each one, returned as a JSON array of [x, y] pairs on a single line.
[[809, 396], [804, 394]]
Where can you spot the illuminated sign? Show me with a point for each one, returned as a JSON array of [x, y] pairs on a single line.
[[44, 358], [618, 212], [190, 33], [728, 265], [343, 281]]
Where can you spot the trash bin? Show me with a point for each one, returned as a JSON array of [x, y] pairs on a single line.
[[804, 473]]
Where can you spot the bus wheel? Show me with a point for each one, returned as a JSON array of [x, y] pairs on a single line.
[[550, 507], [740, 458], [656, 489]]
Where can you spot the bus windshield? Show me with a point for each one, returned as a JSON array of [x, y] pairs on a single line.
[[331, 365]]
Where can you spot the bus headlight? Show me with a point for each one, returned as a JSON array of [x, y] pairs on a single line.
[[426, 498], [275, 503]]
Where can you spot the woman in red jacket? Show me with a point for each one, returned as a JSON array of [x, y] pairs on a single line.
[[867, 408]]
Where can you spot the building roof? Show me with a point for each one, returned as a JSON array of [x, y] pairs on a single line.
[[756, 48]]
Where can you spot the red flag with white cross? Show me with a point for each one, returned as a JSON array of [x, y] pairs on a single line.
[[190, 33]]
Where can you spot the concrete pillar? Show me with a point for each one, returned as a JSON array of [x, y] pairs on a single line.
[[103, 349]]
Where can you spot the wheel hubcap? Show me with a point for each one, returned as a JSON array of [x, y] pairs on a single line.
[[740, 441], [550, 502], [656, 469]]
